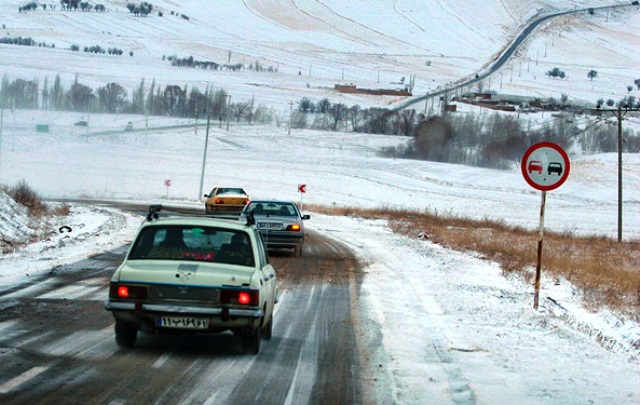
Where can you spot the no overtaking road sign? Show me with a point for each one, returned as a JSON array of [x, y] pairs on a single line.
[[545, 166]]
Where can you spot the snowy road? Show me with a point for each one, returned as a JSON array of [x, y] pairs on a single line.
[[57, 342]]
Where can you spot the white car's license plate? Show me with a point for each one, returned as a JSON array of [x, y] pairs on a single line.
[[182, 322], [269, 225]]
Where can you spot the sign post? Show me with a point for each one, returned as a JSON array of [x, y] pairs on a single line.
[[302, 188], [545, 166]]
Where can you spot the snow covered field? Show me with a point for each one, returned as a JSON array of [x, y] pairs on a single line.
[[491, 347]]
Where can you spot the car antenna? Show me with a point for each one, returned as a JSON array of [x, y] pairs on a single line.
[[153, 211]]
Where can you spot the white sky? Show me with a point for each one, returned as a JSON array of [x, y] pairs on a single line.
[[471, 335]]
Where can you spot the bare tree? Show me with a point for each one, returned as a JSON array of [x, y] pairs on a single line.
[[241, 110], [79, 97], [323, 105], [197, 104], [22, 94], [406, 121], [337, 112], [356, 117], [377, 120], [173, 100], [112, 97]]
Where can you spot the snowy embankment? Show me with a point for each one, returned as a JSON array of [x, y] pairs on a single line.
[[57, 241]]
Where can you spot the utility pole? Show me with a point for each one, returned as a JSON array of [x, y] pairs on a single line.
[[146, 128], [290, 113], [13, 134], [619, 113], [204, 157], [228, 110], [196, 126]]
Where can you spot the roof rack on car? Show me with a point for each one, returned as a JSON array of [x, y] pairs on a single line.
[[153, 211], [251, 220]]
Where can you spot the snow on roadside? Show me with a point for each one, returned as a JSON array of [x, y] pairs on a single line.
[[87, 230], [485, 331], [14, 222]]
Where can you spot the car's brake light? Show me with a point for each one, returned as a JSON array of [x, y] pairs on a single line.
[[123, 291], [117, 290], [244, 298], [218, 201], [240, 297], [294, 227]]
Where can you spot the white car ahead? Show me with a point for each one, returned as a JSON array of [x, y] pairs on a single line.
[[194, 275]]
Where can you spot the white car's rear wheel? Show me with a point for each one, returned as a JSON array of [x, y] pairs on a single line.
[[251, 340], [126, 334], [267, 332]]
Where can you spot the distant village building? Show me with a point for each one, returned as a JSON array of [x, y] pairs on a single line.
[[352, 89]]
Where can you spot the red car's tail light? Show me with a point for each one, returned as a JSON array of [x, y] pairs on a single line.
[[138, 292], [294, 227], [240, 297]]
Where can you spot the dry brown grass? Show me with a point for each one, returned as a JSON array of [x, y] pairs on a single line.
[[26, 196], [606, 272]]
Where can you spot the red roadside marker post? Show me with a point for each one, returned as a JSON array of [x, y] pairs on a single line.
[[545, 166], [302, 188]]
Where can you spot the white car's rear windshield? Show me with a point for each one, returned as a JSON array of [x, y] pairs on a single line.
[[193, 243]]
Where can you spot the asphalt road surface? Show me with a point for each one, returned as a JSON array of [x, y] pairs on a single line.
[[57, 344]]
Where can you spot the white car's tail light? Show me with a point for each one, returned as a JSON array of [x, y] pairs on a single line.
[[128, 291], [240, 297]]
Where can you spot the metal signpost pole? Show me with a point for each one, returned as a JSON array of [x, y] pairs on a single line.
[[539, 259]]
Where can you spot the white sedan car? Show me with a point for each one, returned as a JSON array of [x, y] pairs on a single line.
[[194, 275]]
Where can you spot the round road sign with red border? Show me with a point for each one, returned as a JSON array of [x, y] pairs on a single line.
[[545, 166]]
